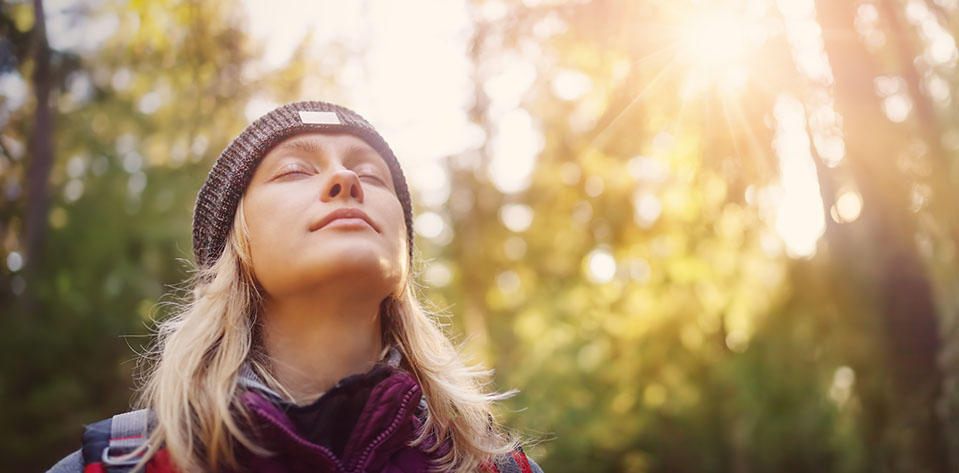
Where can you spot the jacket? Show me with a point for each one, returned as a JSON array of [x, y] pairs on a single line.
[[362, 424]]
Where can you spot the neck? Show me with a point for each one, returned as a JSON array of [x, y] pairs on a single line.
[[316, 339]]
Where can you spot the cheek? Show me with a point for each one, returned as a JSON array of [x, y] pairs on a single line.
[[398, 227], [401, 237], [255, 224], [266, 224]]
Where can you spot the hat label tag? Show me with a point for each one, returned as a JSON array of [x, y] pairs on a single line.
[[319, 118]]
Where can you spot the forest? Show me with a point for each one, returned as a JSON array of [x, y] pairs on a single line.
[[712, 236]]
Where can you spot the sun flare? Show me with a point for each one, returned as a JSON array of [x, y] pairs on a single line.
[[719, 58], [715, 41], [715, 48]]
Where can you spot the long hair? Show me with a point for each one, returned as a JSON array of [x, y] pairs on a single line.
[[190, 379]]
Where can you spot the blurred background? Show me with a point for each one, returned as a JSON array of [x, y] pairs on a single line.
[[699, 236]]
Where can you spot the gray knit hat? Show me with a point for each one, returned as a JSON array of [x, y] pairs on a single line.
[[217, 200]]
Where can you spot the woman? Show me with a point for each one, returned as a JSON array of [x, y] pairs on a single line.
[[302, 347]]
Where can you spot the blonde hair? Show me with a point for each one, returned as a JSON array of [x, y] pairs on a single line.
[[191, 376]]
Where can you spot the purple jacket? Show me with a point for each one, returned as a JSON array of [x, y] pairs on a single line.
[[362, 424]]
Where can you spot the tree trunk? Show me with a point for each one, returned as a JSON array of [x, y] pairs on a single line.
[[41, 155], [886, 265]]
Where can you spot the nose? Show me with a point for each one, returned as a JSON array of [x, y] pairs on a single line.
[[343, 184]]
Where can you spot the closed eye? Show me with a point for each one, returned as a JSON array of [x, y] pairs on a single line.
[[370, 173], [373, 177], [291, 169]]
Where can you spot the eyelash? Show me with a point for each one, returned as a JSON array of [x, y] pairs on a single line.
[[374, 177], [291, 170], [298, 170]]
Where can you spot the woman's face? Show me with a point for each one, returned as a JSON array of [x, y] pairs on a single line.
[[322, 210]]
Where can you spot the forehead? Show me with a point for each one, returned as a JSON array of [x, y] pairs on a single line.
[[322, 143]]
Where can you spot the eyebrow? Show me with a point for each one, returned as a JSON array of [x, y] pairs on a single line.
[[313, 147], [304, 146]]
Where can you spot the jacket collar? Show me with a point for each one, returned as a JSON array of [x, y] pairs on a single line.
[[252, 382], [384, 425]]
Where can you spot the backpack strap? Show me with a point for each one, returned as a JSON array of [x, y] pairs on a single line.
[[513, 462], [105, 443], [128, 431]]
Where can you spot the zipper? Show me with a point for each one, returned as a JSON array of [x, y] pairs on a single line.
[[327, 454], [400, 415]]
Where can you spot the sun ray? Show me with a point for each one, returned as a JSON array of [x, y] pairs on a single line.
[[764, 86], [601, 136], [680, 116], [733, 138], [757, 150], [655, 53]]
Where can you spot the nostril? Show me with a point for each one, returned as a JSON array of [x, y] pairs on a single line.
[[335, 190], [353, 192]]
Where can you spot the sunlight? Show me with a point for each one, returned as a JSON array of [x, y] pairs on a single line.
[[848, 206], [717, 48], [715, 41], [799, 217], [715, 45], [516, 145], [516, 217], [14, 261], [600, 266], [428, 224]]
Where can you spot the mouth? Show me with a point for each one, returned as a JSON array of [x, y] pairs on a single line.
[[345, 214]]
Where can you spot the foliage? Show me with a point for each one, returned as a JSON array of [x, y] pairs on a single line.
[[641, 286]]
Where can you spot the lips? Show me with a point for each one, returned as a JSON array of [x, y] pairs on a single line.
[[344, 213]]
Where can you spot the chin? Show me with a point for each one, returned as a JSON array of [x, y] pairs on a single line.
[[350, 263], [364, 270]]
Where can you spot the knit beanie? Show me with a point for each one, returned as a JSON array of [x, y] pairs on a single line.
[[220, 195]]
